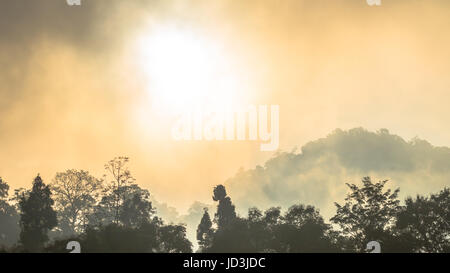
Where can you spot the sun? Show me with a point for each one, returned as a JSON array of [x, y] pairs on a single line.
[[186, 70]]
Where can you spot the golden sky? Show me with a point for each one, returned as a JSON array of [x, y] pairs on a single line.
[[81, 85]]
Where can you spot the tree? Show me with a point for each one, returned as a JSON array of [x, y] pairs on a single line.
[[136, 207], [151, 237], [272, 216], [225, 209], [300, 229], [204, 230], [426, 222], [112, 239], [232, 233], [37, 216], [368, 213], [234, 237], [192, 219], [264, 227], [259, 230], [303, 229], [172, 239], [120, 178], [75, 193], [117, 197], [4, 188], [104, 211], [9, 218]]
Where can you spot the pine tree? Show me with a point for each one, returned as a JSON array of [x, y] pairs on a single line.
[[225, 210], [204, 230], [37, 216]]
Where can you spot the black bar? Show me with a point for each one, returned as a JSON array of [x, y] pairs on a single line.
[[245, 262]]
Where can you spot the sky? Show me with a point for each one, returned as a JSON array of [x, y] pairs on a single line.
[[80, 85]]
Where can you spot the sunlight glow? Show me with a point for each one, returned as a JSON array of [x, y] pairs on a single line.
[[186, 70]]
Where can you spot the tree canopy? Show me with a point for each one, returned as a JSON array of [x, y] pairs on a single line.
[[115, 214]]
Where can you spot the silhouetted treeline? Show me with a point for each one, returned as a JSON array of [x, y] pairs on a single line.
[[114, 214], [370, 213]]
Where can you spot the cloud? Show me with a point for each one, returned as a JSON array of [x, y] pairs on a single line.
[[68, 91], [22, 21], [317, 175]]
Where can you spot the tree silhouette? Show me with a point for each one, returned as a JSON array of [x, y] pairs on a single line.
[[303, 229], [172, 239], [225, 209], [120, 178], [9, 229], [232, 233], [259, 230], [124, 220], [75, 193], [37, 216], [4, 188], [151, 237], [136, 208], [272, 216], [235, 237], [368, 213], [204, 230], [300, 229], [426, 222]]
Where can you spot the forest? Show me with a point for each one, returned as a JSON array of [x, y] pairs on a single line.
[[114, 214]]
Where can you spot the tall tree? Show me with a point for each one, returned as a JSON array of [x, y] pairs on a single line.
[[234, 237], [225, 209], [232, 233], [75, 193], [204, 230], [136, 207], [172, 239], [368, 214], [9, 218], [120, 178], [426, 222], [303, 230], [259, 230], [37, 216], [4, 188]]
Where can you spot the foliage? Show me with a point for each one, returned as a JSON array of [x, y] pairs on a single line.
[[37, 216], [300, 229], [368, 213], [119, 217], [426, 221], [9, 218], [225, 209], [204, 230], [150, 237], [75, 193], [121, 179]]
